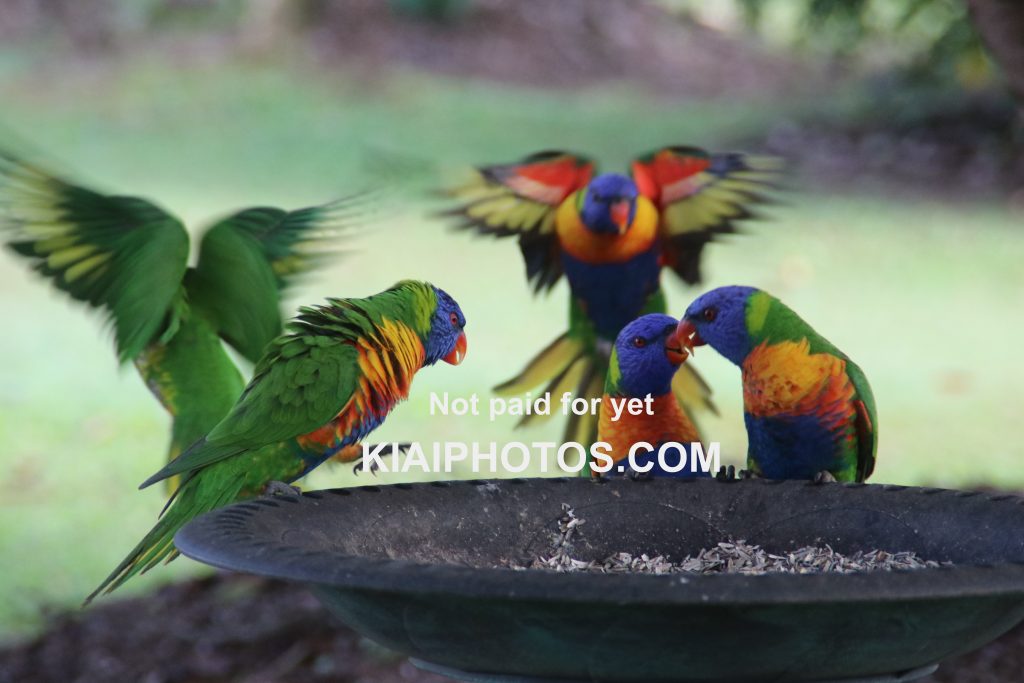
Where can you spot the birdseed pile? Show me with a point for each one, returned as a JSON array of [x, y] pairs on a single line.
[[728, 557]]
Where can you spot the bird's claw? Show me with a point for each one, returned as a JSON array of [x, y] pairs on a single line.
[[748, 474], [637, 475], [726, 473], [279, 488], [358, 467], [823, 477]]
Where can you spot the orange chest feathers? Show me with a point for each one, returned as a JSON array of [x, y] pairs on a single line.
[[786, 379], [667, 422], [591, 247]]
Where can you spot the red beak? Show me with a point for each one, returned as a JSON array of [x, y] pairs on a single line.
[[620, 215], [458, 354], [674, 351], [685, 336]]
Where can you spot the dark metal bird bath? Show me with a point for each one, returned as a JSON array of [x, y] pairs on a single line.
[[413, 567]]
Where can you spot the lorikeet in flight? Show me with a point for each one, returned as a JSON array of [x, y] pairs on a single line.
[[646, 355], [808, 408], [318, 390], [610, 235], [128, 257]]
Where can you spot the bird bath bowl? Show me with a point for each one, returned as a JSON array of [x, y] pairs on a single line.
[[417, 568]]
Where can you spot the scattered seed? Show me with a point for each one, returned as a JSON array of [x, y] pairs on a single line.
[[727, 557]]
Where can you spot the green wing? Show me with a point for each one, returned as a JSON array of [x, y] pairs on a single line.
[[522, 199], [248, 259], [866, 421], [299, 386], [124, 255]]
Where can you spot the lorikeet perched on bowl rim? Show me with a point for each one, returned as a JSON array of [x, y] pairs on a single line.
[[646, 356], [318, 390], [808, 407]]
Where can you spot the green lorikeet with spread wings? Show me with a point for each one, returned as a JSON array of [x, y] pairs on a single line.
[[611, 236], [128, 257], [318, 390]]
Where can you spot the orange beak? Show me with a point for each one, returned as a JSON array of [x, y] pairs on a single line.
[[620, 215], [685, 336], [458, 354], [674, 351]]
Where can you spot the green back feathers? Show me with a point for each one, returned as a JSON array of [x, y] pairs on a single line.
[[769, 320], [307, 375], [412, 302]]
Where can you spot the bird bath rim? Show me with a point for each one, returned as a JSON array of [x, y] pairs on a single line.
[[217, 539]]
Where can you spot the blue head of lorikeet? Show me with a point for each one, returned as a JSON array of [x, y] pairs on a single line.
[[719, 318], [608, 205], [648, 352], [446, 340], [644, 360]]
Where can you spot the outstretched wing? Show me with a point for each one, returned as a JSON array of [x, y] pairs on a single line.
[[121, 254], [521, 199], [299, 386], [248, 259], [700, 195]]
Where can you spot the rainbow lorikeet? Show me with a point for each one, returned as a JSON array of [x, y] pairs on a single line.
[[638, 404], [129, 257], [808, 408], [610, 235], [318, 390]]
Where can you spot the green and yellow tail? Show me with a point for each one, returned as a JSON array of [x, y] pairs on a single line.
[[574, 365], [189, 501]]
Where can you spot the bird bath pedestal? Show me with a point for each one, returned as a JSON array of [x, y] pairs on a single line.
[[420, 569]]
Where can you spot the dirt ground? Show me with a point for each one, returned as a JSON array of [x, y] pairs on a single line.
[[249, 630]]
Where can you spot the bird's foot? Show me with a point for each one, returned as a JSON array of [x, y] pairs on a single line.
[[726, 473], [279, 488], [748, 474], [637, 475], [823, 477], [358, 467]]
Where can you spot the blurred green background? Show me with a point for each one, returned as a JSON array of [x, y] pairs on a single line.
[[900, 238]]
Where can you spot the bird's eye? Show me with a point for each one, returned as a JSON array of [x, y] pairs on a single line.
[[639, 342], [454, 317], [709, 314]]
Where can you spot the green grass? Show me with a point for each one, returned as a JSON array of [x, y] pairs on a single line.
[[924, 295]]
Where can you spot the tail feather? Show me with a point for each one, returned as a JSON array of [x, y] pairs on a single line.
[[692, 392], [583, 428], [547, 364], [569, 364], [158, 545], [566, 380]]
